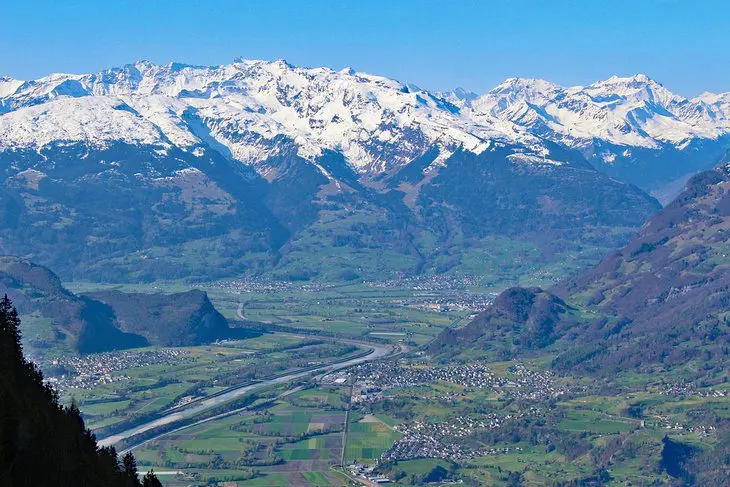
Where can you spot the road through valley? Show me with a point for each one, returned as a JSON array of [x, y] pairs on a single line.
[[178, 414]]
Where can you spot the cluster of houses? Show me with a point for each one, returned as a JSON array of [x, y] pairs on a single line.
[[703, 431], [457, 301], [89, 371], [264, 285], [373, 379], [424, 446], [389, 374], [423, 439], [439, 293], [458, 427], [419, 445], [431, 282], [681, 389], [533, 384]]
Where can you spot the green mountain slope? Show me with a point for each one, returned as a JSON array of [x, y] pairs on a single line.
[[666, 295], [662, 300], [519, 320], [180, 319], [136, 213], [56, 317]]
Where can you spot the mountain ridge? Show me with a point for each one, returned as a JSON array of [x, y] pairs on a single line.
[[660, 301], [322, 109], [241, 167], [106, 320]]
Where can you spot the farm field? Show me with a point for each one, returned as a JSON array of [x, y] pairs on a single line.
[[146, 389], [368, 438], [292, 442], [536, 425]]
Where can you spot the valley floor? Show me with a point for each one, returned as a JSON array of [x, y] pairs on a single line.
[[415, 419]]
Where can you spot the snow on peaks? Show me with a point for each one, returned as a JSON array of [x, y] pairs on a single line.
[[249, 108], [635, 88], [459, 97], [524, 87], [632, 111], [8, 86], [97, 121], [514, 91]]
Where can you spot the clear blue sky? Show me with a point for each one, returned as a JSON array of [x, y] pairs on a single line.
[[435, 44]]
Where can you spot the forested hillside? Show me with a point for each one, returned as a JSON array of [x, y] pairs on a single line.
[[44, 443]]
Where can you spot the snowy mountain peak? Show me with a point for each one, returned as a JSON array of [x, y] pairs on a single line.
[[141, 65], [464, 94], [348, 70], [635, 79], [282, 64], [626, 111], [249, 108], [513, 92], [711, 98], [524, 85], [8, 86], [626, 83], [459, 97], [639, 86]]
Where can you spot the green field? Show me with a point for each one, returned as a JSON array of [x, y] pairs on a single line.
[[368, 437], [277, 443], [616, 422]]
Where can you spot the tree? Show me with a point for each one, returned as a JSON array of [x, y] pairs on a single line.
[[10, 331], [674, 457], [437, 474], [41, 442], [151, 480], [129, 469], [514, 479]]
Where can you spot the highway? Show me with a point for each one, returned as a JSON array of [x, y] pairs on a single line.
[[185, 412]]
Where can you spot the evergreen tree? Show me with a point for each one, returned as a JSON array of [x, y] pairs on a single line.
[[129, 469], [41, 442], [151, 480], [10, 332]]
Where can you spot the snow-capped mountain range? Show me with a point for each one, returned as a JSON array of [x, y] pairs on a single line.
[[177, 171], [245, 106], [378, 124], [635, 111]]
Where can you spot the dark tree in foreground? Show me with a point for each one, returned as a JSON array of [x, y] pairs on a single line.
[[151, 480], [41, 442], [129, 469]]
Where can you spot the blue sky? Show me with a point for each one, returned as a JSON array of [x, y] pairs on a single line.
[[435, 44]]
